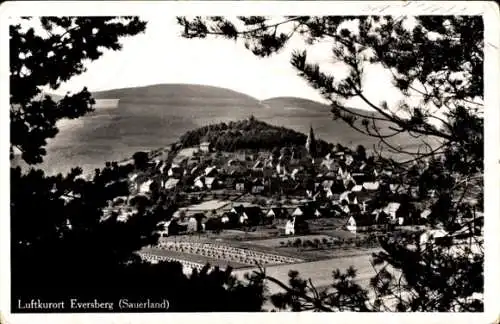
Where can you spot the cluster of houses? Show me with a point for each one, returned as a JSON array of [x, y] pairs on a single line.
[[339, 184]]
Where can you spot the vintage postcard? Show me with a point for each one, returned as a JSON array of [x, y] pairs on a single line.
[[230, 160]]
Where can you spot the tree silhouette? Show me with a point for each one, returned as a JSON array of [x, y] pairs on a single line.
[[50, 57], [437, 64], [67, 238], [361, 153], [141, 160]]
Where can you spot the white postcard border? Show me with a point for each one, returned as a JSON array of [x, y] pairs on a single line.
[[490, 12]]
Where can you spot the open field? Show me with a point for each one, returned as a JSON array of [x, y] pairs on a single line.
[[268, 241], [209, 205], [340, 234], [256, 236], [327, 223], [276, 242], [320, 272], [196, 258], [203, 252], [324, 253]]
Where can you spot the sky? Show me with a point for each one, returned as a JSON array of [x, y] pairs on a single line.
[[161, 55]]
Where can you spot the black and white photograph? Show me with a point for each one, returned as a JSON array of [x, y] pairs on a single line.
[[250, 157]]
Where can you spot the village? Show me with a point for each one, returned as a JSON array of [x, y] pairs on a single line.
[[198, 163], [279, 207]]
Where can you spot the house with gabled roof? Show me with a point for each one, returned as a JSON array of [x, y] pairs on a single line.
[[327, 175], [199, 182], [357, 188], [349, 184], [163, 168], [391, 209], [240, 185], [318, 212], [356, 220], [349, 197], [175, 171], [359, 177], [238, 209], [295, 174], [253, 214], [327, 185], [171, 183], [258, 165], [211, 171], [348, 159], [194, 170], [330, 165], [399, 188], [210, 182], [290, 226], [299, 211], [362, 167], [371, 186], [387, 172], [425, 213], [340, 171], [281, 169], [145, 187], [277, 212], [229, 182], [234, 162], [205, 146], [257, 186], [248, 214], [393, 187], [321, 195], [304, 212]]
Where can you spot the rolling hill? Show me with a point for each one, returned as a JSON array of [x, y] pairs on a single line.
[[132, 119], [294, 104], [144, 118], [300, 114]]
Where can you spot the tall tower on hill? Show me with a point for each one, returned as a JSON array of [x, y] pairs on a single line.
[[311, 143]]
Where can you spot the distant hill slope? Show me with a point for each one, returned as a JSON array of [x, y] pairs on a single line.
[[301, 113], [295, 104], [303, 105], [145, 118], [161, 93]]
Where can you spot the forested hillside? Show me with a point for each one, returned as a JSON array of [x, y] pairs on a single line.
[[248, 134]]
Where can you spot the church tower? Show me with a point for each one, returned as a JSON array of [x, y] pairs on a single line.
[[311, 143]]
